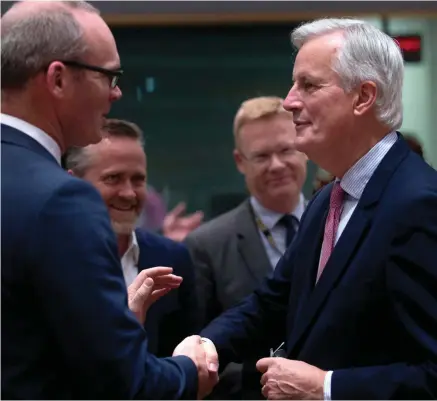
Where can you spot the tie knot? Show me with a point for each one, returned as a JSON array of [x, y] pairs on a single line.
[[288, 221], [337, 195]]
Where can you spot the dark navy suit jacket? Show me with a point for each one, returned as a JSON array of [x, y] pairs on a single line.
[[174, 316], [67, 331], [372, 317]]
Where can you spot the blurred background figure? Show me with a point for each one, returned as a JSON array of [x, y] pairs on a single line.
[[176, 226], [154, 211], [321, 179], [173, 224], [233, 252]]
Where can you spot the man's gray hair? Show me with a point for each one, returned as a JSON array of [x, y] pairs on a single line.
[[31, 41], [367, 54]]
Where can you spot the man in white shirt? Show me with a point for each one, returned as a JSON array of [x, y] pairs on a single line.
[[116, 167]]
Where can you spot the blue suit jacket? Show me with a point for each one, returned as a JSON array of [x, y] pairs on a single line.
[[372, 317], [67, 331], [174, 316]]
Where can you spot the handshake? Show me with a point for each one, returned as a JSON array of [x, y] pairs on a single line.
[[150, 285], [204, 355]]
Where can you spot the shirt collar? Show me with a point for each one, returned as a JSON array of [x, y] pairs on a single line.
[[34, 132], [271, 218], [357, 177], [133, 249]]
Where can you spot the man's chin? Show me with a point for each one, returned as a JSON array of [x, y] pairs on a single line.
[[124, 228]]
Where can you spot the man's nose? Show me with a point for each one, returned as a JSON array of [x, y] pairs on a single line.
[[115, 94], [292, 102]]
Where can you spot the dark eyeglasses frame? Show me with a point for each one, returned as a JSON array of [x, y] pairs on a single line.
[[114, 75]]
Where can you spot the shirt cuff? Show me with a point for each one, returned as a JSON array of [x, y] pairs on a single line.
[[327, 386]]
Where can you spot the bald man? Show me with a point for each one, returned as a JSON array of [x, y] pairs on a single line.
[[67, 330]]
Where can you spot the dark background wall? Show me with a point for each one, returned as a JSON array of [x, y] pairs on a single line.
[[183, 86]]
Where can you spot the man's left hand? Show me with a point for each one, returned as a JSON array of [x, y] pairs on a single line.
[[286, 379]]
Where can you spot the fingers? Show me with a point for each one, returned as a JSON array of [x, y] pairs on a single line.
[[212, 361], [138, 282], [155, 272], [187, 345], [161, 275], [137, 299], [178, 209], [264, 379], [156, 294], [263, 364], [169, 280], [194, 348]]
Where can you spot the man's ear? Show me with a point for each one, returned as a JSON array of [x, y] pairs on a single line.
[[239, 161], [71, 172]]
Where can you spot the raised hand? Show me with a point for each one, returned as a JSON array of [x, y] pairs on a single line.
[[176, 226], [150, 285]]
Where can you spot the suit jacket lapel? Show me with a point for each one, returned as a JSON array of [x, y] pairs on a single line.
[[308, 254], [347, 245], [249, 243]]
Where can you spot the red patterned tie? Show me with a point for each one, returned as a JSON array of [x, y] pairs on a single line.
[[331, 225]]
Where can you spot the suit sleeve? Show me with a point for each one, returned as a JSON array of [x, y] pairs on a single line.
[[78, 278], [411, 278], [259, 319], [205, 286]]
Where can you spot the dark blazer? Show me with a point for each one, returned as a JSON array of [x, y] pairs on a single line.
[[372, 317], [229, 258], [230, 262], [67, 331], [174, 316]]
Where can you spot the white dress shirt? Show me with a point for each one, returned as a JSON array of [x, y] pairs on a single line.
[[270, 219], [353, 183], [129, 261], [37, 134]]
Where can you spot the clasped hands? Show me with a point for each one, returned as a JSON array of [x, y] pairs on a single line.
[[150, 285], [282, 378]]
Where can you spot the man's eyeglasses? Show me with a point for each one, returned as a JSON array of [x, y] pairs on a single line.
[[264, 159], [113, 75]]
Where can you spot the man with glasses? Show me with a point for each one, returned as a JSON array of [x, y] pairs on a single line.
[[233, 252], [67, 331]]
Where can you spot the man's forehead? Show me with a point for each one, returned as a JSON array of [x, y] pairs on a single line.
[[316, 57]]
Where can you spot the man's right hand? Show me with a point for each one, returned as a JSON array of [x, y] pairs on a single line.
[[193, 348], [150, 285]]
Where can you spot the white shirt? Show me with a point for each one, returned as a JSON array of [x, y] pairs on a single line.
[[353, 183], [46, 141], [270, 219], [129, 261]]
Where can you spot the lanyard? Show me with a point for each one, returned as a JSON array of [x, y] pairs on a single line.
[[266, 232]]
